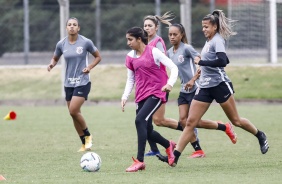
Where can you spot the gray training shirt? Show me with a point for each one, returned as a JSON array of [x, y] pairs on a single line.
[[212, 76], [183, 58], [76, 57]]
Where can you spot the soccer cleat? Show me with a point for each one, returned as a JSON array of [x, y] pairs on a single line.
[[83, 148], [230, 132], [88, 142], [152, 153], [162, 158], [169, 152], [263, 143], [197, 154], [136, 166]]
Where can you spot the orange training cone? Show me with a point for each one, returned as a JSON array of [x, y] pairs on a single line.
[[2, 178], [10, 116]]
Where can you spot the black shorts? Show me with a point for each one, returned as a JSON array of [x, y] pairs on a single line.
[[220, 93], [167, 95], [81, 91], [185, 98]]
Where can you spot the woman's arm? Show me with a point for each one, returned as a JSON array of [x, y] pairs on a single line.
[[128, 88], [161, 57], [222, 61], [97, 59]]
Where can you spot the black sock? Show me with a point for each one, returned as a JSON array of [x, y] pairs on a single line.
[[196, 146], [177, 155], [221, 126], [86, 132], [179, 127], [258, 135], [82, 138]]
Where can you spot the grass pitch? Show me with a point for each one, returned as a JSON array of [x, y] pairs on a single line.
[[40, 147]]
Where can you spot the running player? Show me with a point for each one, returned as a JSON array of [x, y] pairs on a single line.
[[151, 26], [214, 84], [143, 67], [75, 49], [183, 55]]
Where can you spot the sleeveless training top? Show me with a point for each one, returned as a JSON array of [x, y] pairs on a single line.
[[148, 75]]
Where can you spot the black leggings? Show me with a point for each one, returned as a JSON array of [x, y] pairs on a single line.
[[144, 127]]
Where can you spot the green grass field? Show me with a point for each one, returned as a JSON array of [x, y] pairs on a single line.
[[40, 147], [108, 83]]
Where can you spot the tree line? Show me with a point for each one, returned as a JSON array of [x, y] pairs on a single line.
[[116, 17]]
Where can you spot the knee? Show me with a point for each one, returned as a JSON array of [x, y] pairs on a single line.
[[73, 113], [238, 122], [191, 123], [137, 121], [158, 121], [182, 121]]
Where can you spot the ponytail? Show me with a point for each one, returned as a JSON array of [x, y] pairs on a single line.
[[224, 24]]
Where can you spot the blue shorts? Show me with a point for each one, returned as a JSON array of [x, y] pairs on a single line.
[[185, 98], [219, 93], [81, 91]]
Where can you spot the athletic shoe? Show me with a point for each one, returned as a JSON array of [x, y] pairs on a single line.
[[162, 158], [137, 165], [82, 148], [263, 143], [230, 132], [152, 153], [197, 154], [169, 152], [88, 142]]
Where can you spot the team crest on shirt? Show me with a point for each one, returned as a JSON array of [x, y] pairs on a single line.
[[180, 59], [79, 50]]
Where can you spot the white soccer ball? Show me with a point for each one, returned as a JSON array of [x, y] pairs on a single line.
[[90, 162]]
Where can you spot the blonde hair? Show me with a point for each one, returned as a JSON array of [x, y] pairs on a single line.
[[224, 24], [165, 18]]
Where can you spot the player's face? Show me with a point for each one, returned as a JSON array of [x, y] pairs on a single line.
[[72, 27], [150, 27], [208, 29], [132, 42], [174, 35]]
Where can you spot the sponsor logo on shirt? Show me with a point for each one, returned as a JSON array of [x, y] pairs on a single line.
[[79, 50], [180, 59], [74, 80], [206, 81]]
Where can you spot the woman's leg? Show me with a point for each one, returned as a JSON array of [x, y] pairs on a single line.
[[231, 112], [79, 123], [197, 110], [159, 119]]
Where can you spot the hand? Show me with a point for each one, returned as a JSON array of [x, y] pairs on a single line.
[[50, 66], [167, 88], [196, 60], [123, 102], [189, 85], [86, 70], [198, 71]]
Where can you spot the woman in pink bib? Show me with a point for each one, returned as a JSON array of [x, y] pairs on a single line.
[[144, 70]]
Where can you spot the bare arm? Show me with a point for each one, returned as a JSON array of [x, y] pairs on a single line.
[[53, 63], [97, 59]]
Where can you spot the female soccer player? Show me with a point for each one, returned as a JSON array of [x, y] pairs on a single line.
[[151, 26], [75, 49], [143, 68], [214, 84]]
